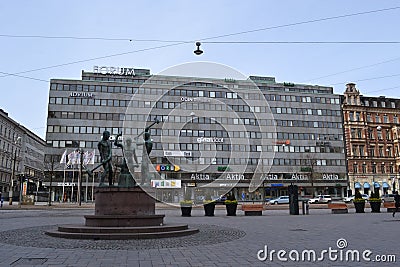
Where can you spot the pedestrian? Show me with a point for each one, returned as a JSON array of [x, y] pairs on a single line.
[[396, 202], [1, 200]]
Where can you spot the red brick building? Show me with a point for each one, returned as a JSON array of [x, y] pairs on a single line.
[[371, 129]]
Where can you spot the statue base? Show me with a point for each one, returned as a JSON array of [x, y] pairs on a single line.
[[122, 213]]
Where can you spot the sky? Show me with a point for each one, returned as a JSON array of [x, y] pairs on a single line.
[[46, 39]]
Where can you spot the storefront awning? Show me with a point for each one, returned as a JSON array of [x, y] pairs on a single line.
[[357, 185], [366, 185], [385, 185], [377, 185]]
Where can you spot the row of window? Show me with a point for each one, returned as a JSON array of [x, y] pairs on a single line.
[[377, 118], [306, 111], [5, 177], [125, 79], [381, 151], [193, 92], [256, 161], [372, 134], [308, 124], [388, 168], [194, 133]]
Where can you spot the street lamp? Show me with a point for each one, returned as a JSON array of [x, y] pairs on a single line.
[[21, 187], [14, 159]]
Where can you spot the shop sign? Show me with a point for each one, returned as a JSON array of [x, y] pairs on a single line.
[[81, 94], [330, 176], [210, 140], [233, 176], [297, 176], [194, 99], [270, 176], [223, 168], [177, 153], [65, 184], [114, 70], [162, 168], [166, 184], [200, 176], [283, 142]]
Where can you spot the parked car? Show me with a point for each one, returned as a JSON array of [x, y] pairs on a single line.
[[388, 198], [279, 200], [351, 198], [219, 200], [321, 199]]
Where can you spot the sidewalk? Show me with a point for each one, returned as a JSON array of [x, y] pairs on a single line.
[[222, 241]]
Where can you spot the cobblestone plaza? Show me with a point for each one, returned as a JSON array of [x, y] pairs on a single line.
[[222, 240]]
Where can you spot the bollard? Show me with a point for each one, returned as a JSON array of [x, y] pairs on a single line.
[[307, 208]]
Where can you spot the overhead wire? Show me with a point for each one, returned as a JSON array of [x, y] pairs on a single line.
[[177, 43]]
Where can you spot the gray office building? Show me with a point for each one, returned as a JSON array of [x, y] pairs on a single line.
[[253, 136]]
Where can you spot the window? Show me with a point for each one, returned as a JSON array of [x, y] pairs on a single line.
[[372, 151], [379, 134], [389, 151], [387, 133], [357, 116], [391, 169], [383, 168], [353, 132], [355, 168], [380, 149], [373, 168], [364, 168], [361, 148]]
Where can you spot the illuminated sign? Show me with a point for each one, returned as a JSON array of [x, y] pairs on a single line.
[[163, 168], [166, 184]]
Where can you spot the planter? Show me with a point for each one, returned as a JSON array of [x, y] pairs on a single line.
[[375, 206], [209, 209], [186, 211], [231, 209], [359, 207]]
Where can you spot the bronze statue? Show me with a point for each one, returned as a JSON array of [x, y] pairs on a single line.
[[130, 159], [105, 150], [125, 178]]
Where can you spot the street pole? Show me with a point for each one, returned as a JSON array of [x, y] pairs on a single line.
[[10, 192], [80, 177], [51, 178], [21, 176]]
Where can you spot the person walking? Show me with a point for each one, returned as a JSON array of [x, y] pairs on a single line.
[[396, 202]]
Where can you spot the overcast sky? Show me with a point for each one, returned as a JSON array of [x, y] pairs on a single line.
[[101, 32]]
